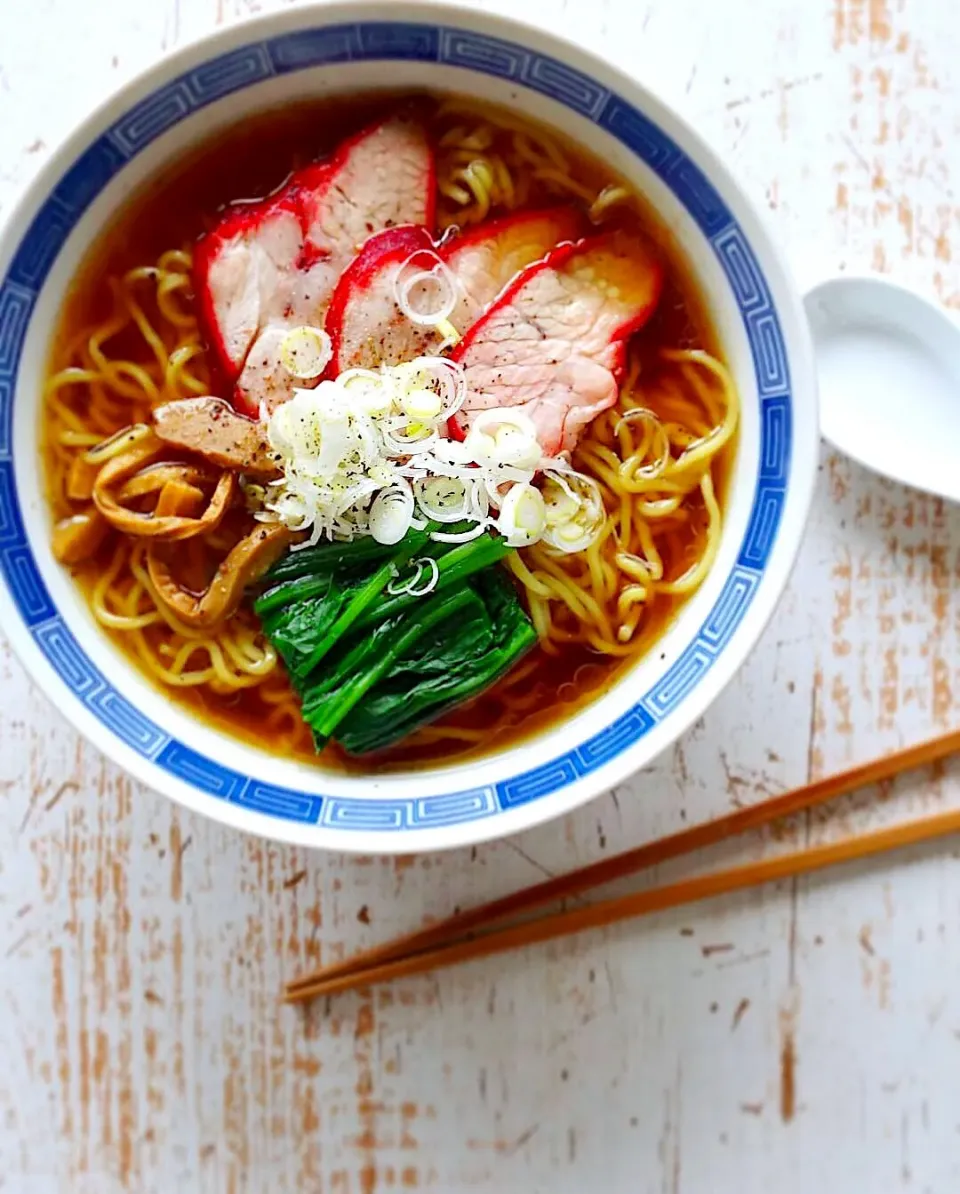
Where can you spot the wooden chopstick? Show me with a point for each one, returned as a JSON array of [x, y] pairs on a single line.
[[698, 837], [658, 899]]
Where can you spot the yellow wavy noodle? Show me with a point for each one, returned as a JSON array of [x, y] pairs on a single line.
[[487, 160], [93, 393], [656, 476], [657, 473]]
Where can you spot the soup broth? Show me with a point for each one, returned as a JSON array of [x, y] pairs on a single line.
[[118, 302]]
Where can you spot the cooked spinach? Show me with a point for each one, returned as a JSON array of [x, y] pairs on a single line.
[[454, 565], [391, 663], [329, 557], [307, 615], [297, 629], [323, 717], [466, 656]]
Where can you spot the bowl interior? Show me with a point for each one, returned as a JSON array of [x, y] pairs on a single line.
[[185, 102]]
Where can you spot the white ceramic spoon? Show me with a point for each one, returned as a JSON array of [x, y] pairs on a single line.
[[888, 364]]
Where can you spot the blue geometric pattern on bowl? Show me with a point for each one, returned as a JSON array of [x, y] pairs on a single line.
[[492, 56]]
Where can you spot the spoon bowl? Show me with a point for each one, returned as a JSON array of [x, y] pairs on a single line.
[[888, 367]]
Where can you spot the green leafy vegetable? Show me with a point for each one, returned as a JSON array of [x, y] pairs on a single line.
[[454, 566], [305, 616], [324, 716], [297, 630], [391, 663], [458, 664], [330, 557]]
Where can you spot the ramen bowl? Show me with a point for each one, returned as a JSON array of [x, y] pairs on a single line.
[[323, 51]]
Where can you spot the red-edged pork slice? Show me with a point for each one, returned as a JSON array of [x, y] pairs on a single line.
[[365, 325], [552, 346], [241, 270], [487, 258], [273, 265], [382, 177]]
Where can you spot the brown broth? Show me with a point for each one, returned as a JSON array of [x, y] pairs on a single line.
[[254, 159]]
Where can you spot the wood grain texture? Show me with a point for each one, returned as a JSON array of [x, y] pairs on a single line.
[[806, 1037]]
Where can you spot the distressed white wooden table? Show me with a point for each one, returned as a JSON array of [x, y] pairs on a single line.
[[803, 1038]]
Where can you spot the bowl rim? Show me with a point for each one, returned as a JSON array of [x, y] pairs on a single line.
[[797, 482]]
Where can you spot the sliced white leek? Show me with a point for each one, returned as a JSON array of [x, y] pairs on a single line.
[[305, 352], [522, 519], [390, 514], [368, 453], [425, 290]]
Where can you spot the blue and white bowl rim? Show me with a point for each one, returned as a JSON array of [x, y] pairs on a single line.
[[365, 40]]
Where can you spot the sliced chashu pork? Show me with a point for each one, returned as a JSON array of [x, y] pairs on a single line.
[[552, 346], [486, 259], [271, 265], [367, 327], [241, 275]]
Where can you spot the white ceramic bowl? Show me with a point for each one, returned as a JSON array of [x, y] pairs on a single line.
[[320, 51]]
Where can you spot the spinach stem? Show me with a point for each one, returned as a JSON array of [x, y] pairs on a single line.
[[367, 593], [434, 610], [453, 568]]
